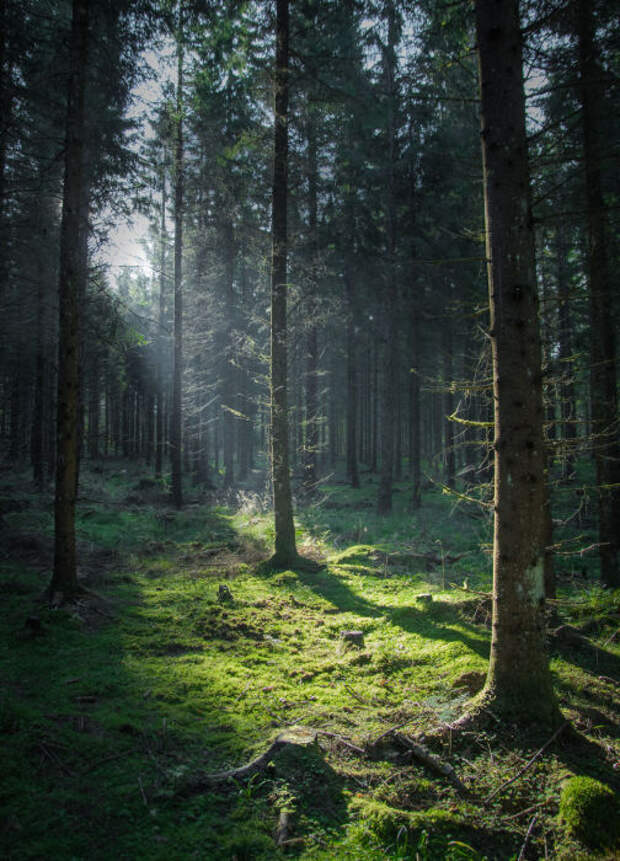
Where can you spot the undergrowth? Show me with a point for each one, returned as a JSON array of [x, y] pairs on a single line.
[[109, 708]]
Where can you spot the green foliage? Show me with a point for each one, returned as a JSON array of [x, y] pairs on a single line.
[[590, 811]]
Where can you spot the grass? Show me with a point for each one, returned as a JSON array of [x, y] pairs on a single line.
[[110, 707]]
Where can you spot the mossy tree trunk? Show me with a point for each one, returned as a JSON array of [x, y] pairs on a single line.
[[519, 681], [64, 585]]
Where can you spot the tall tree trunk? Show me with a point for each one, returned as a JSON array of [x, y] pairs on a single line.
[[604, 399], [352, 381], [389, 380], [285, 548], [415, 440], [311, 436], [161, 340], [176, 418], [568, 399], [64, 585], [227, 398], [448, 400], [519, 682]]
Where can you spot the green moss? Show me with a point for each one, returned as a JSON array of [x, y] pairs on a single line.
[[590, 811], [387, 822]]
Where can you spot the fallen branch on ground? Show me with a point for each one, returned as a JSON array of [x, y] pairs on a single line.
[[528, 764], [307, 735], [430, 760]]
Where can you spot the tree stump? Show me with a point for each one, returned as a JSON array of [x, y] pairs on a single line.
[[356, 638]]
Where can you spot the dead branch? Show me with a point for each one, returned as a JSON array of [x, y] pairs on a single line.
[[527, 837], [528, 764], [431, 761], [203, 781], [340, 740]]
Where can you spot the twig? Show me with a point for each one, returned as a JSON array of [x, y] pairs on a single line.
[[527, 837], [528, 764], [389, 731], [528, 809], [356, 696], [142, 792], [342, 741]]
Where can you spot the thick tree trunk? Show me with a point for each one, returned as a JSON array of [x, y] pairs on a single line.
[[176, 417], [285, 548], [604, 399], [311, 435], [519, 682], [64, 585]]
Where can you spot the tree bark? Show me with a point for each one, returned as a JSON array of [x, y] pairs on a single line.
[[519, 681], [311, 435], [604, 399], [389, 381], [64, 585], [159, 423], [176, 418], [285, 548]]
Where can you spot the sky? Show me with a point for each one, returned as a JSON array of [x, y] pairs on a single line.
[[124, 249]]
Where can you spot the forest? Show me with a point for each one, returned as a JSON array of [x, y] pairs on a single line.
[[310, 447]]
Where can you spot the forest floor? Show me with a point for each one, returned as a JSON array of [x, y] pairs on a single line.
[[112, 711]]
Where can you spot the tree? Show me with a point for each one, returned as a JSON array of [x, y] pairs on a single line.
[[177, 365], [519, 680], [285, 548], [64, 579], [604, 397]]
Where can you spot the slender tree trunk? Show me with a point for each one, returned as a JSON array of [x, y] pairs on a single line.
[[415, 440], [36, 439], [448, 403], [568, 399], [604, 398], [352, 382], [176, 418], [227, 399], [389, 381], [311, 436], [161, 340], [93, 410], [285, 548], [64, 585], [519, 682]]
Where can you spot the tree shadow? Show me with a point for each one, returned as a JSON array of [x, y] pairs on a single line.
[[434, 622]]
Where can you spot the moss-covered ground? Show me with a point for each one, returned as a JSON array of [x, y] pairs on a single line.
[[109, 708]]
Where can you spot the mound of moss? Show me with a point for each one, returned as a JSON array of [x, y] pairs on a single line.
[[386, 821], [590, 811]]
